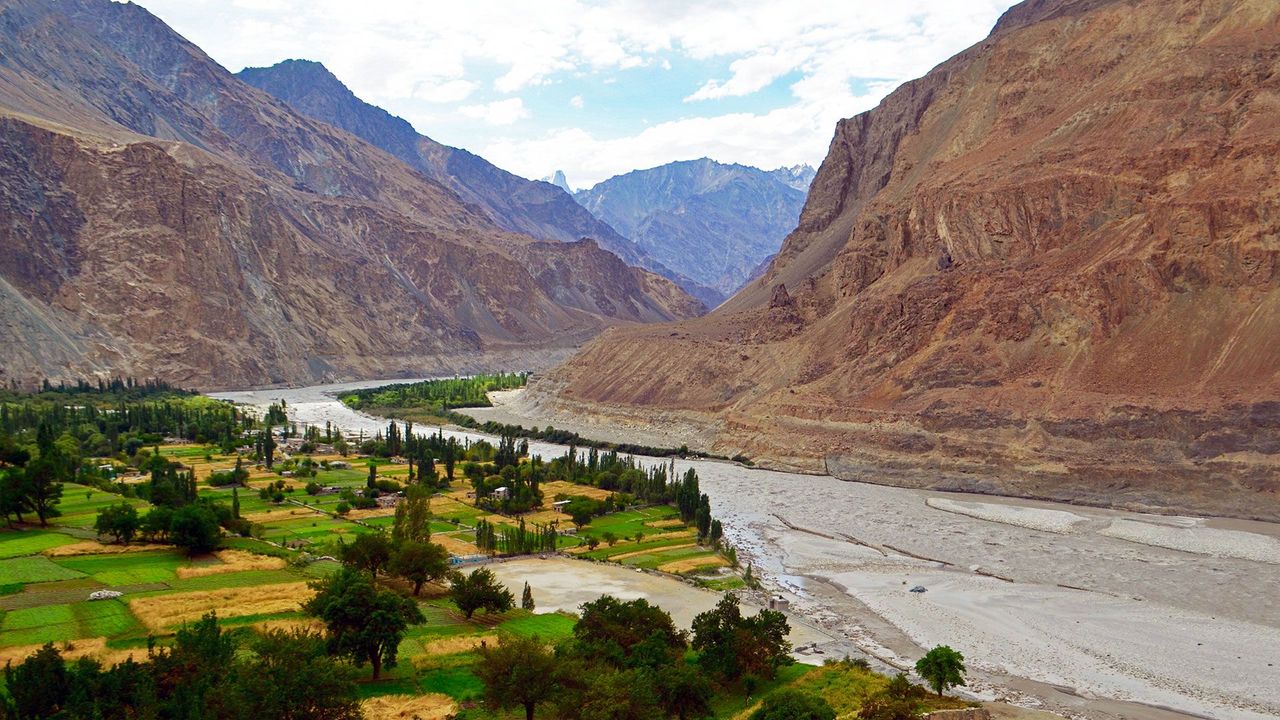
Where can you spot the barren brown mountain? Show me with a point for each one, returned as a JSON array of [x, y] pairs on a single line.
[[1050, 267], [159, 217]]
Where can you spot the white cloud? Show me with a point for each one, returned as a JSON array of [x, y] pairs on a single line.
[[499, 112], [476, 59], [576, 102], [449, 91]]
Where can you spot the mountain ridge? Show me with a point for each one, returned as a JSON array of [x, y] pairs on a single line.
[[165, 219], [1047, 268], [713, 221]]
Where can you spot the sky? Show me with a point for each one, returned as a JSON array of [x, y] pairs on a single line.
[[597, 89]]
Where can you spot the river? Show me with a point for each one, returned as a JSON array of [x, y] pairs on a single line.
[[1086, 612]]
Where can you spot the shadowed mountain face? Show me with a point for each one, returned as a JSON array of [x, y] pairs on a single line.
[[539, 209], [163, 218], [712, 222], [1050, 267]]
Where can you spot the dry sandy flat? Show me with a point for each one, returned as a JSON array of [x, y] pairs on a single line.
[[1151, 625], [563, 584], [1056, 521], [1194, 537]]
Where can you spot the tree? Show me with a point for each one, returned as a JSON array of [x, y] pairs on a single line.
[[479, 590], [370, 551], [581, 510], [40, 484], [518, 671], [364, 622], [419, 563], [119, 521], [291, 677], [38, 687], [413, 516], [942, 668], [194, 528], [592, 542], [683, 691], [372, 482], [526, 598], [790, 704], [732, 645], [630, 633]]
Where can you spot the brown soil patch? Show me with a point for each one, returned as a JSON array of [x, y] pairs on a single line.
[[232, 561], [93, 547], [693, 563], [165, 611], [432, 706]]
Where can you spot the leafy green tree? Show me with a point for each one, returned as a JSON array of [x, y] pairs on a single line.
[[156, 523], [517, 672], [790, 704], [419, 563], [195, 529], [479, 591], [119, 521], [291, 677], [38, 686], [627, 633], [942, 668], [370, 551], [683, 691], [526, 598], [365, 623], [413, 516], [622, 695], [41, 484], [732, 645], [13, 499]]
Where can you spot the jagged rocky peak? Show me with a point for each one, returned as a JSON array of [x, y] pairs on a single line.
[[711, 221], [559, 180]]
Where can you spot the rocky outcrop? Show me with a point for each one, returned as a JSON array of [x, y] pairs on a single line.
[[711, 222], [1049, 267], [158, 217]]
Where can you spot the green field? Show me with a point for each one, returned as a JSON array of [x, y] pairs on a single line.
[[34, 569], [16, 543], [133, 568]]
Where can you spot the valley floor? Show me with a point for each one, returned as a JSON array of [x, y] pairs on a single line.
[[1085, 611], [1090, 613]]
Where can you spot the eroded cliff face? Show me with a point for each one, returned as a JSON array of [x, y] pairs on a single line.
[[160, 218], [1050, 267]]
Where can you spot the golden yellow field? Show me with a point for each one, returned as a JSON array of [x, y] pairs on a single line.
[[624, 556], [165, 611], [452, 645], [693, 563], [93, 547], [75, 649], [456, 546], [232, 561], [432, 706], [564, 487]]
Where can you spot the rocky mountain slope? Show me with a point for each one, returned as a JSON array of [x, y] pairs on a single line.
[[543, 210], [1050, 267], [709, 221], [160, 217]]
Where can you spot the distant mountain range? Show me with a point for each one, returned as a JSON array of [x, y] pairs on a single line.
[[714, 223], [163, 218]]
